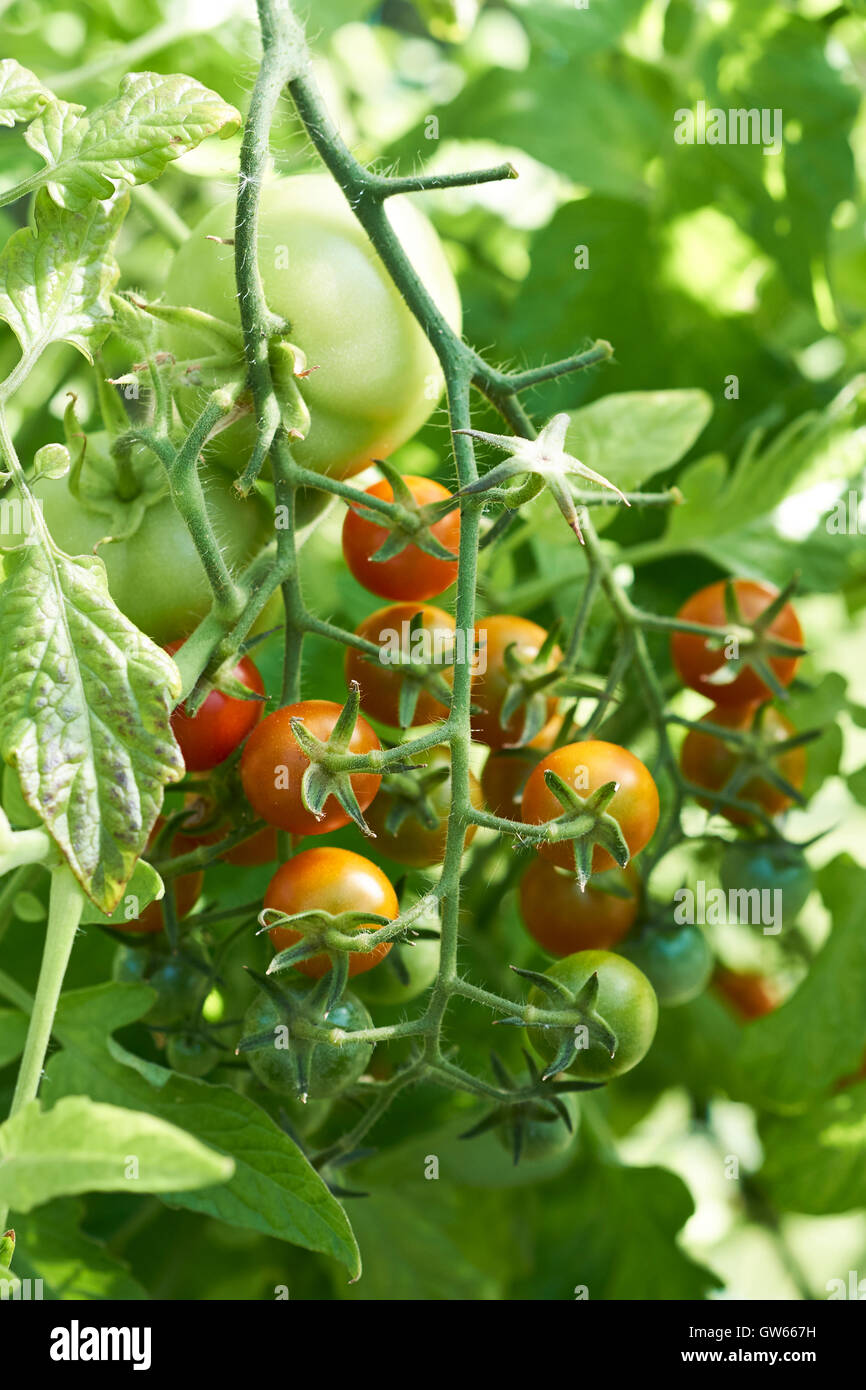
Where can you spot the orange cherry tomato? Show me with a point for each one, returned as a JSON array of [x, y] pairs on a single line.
[[695, 661], [563, 920], [209, 737], [493, 636], [273, 765], [412, 573], [331, 880], [708, 762], [381, 681], [586, 767]]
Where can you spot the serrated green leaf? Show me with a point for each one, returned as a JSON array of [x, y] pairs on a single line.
[[52, 1247], [86, 700], [55, 281], [154, 119]]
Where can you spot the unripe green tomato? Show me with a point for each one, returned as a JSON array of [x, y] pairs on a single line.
[[544, 1133], [677, 961], [155, 575], [626, 1001], [767, 866], [180, 990], [376, 377], [306, 1117], [384, 985], [331, 1068], [190, 1055]]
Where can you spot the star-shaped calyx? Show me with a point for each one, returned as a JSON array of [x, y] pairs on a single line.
[[545, 461]]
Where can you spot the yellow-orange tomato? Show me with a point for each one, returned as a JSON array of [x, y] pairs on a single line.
[[493, 636], [332, 880], [585, 767]]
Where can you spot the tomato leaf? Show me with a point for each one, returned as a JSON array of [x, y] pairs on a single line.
[[83, 1145], [55, 281], [22, 95], [154, 119], [86, 700]]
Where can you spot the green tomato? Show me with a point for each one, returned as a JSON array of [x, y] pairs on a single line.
[[376, 378], [331, 1068], [543, 1133], [155, 575], [384, 984], [190, 1055], [626, 1001], [180, 990], [767, 865], [677, 961]]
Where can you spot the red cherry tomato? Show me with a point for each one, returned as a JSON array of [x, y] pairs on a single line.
[[209, 737], [563, 920], [411, 574], [695, 661], [493, 636], [708, 762], [331, 880], [273, 765], [586, 767], [381, 681]]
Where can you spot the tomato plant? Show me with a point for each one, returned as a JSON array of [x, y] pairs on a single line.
[[563, 920], [218, 305], [586, 767], [700, 661], [211, 735], [626, 1002], [377, 378], [416, 648], [273, 765], [709, 762], [333, 881], [412, 573]]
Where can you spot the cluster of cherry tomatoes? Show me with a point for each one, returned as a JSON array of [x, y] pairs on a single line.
[[408, 809]]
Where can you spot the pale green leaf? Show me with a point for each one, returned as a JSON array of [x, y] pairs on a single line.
[[85, 701], [155, 118], [22, 95], [82, 1145], [55, 281]]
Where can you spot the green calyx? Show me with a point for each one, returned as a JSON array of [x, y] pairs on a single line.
[[756, 645], [408, 523], [586, 823], [544, 462], [331, 763], [532, 1110], [571, 1010]]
